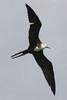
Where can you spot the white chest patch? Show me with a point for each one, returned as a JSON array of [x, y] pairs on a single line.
[[40, 48]]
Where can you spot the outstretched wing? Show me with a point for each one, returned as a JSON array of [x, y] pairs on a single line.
[[34, 26], [47, 68]]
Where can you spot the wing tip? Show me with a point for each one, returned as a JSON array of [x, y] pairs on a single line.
[[54, 92], [26, 5], [53, 88]]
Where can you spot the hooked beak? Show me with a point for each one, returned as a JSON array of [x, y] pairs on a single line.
[[48, 47]]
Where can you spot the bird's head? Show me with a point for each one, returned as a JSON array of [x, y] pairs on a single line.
[[45, 46]]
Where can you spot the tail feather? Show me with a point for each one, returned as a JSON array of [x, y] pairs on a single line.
[[19, 54]]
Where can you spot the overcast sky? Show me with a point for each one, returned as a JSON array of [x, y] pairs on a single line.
[[22, 78]]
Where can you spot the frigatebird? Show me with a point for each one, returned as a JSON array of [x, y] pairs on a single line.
[[36, 48]]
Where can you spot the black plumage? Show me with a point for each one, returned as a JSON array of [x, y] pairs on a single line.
[[34, 27], [34, 41]]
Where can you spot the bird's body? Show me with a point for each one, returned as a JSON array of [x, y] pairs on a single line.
[[40, 46], [36, 48]]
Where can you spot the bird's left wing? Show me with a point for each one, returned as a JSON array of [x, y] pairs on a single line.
[[47, 68], [34, 26]]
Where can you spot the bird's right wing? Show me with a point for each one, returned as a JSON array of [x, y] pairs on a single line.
[[34, 26], [47, 68]]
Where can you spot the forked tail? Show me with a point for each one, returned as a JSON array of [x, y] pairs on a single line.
[[19, 54]]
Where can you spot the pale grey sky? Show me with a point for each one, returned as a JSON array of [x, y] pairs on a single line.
[[22, 78]]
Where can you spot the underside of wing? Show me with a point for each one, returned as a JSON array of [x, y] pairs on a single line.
[[34, 26], [33, 18], [33, 35], [47, 68]]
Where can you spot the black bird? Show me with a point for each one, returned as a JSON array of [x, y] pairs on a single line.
[[36, 48]]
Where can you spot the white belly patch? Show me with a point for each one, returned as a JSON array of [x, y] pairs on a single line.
[[38, 49]]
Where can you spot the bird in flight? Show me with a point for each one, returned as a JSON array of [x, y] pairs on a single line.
[[36, 48]]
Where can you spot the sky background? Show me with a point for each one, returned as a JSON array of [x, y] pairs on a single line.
[[22, 78]]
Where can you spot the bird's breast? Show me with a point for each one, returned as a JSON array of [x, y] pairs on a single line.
[[38, 48]]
